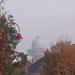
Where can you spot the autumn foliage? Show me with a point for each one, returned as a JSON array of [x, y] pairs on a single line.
[[59, 60]]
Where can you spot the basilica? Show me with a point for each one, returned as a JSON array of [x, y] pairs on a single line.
[[37, 49]]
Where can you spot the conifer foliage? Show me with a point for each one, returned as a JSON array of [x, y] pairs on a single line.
[[14, 62], [10, 67]]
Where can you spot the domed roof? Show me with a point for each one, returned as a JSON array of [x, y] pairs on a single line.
[[37, 42]]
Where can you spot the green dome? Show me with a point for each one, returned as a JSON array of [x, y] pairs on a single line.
[[29, 57], [37, 42]]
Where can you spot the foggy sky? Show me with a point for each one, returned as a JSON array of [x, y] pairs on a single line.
[[49, 19]]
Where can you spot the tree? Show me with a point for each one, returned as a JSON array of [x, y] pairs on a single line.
[[60, 60], [1, 6], [10, 68], [10, 46]]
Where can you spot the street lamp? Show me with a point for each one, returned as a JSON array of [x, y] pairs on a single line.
[[18, 37], [1, 34]]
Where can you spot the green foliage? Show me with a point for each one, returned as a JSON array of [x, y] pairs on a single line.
[[11, 68], [23, 61]]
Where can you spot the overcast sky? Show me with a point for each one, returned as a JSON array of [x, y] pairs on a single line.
[[49, 19]]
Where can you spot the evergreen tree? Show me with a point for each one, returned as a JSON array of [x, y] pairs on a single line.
[[10, 67], [11, 42]]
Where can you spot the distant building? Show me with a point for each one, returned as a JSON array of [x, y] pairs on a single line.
[[37, 49], [29, 58], [35, 68]]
